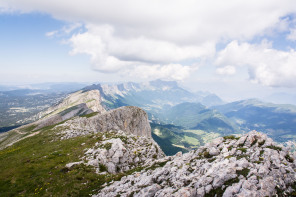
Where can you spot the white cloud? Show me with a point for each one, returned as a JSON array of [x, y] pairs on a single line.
[[181, 22], [168, 72], [110, 53], [266, 65], [120, 35], [94, 44], [227, 70]]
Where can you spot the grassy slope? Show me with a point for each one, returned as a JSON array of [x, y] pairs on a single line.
[[36, 166]]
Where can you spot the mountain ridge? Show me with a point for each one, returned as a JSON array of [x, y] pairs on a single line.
[[277, 120], [77, 151]]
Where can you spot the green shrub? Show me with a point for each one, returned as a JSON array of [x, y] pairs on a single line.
[[244, 172], [206, 154], [244, 150], [254, 142], [107, 146], [103, 168], [241, 156], [274, 147], [219, 191], [289, 158]]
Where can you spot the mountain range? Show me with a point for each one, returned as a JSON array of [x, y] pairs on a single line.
[[183, 120], [167, 103], [77, 147], [277, 120]]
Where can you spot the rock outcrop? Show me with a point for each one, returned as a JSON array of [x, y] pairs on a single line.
[[117, 152], [123, 137], [131, 120], [252, 165]]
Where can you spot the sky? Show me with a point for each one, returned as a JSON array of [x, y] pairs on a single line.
[[237, 49]]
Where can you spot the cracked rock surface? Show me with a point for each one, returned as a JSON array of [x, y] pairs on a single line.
[[120, 152], [252, 165]]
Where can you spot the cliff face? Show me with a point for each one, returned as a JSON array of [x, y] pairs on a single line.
[[124, 143], [131, 120], [252, 165]]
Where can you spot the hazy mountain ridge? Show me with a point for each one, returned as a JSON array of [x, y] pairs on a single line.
[[282, 98], [21, 109], [198, 116], [277, 120], [20, 104], [75, 104], [153, 96], [167, 103], [150, 95]]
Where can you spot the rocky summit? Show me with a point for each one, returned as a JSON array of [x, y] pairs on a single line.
[[251, 165]]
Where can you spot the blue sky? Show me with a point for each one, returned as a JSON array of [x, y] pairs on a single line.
[[234, 48], [29, 56]]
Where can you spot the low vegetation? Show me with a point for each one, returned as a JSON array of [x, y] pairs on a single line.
[[36, 166], [244, 172], [274, 147], [230, 137]]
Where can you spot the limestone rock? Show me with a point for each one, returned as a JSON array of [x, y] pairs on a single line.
[[251, 168], [119, 152], [131, 120]]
